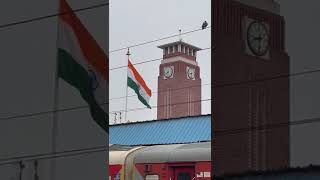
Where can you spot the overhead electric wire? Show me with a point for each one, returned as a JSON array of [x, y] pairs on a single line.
[[152, 60], [155, 92], [48, 112], [143, 62], [62, 154], [159, 39], [266, 126], [280, 76], [143, 108], [39, 18]]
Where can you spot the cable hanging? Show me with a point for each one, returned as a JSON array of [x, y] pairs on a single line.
[[52, 15], [155, 92], [155, 40], [143, 108], [152, 60], [56, 155]]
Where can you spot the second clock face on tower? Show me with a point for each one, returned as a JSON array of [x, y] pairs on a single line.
[[258, 38], [168, 72], [190, 73]]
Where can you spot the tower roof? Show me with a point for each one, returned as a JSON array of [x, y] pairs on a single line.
[[177, 43], [268, 5]]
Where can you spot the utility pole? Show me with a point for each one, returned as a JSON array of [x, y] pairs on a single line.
[[21, 167], [125, 118]]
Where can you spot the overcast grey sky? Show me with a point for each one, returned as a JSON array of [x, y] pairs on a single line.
[[27, 71], [137, 21], [302, 39]]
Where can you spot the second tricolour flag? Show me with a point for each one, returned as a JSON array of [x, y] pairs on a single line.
[[83, 64], [136, 82]]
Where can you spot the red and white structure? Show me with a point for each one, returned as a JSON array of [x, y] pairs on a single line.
[[179, 82], [162, 162], [251, 87]]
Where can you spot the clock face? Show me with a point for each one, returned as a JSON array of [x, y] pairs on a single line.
[[168, 72], [258, 38], [191, 73]]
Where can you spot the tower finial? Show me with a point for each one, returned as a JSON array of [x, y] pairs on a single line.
[[180, 38], [128, 53]]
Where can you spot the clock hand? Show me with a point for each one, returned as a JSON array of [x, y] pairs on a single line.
[[258, 38]]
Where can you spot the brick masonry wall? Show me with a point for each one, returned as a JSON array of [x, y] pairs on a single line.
[[183, 95], [248, 105]]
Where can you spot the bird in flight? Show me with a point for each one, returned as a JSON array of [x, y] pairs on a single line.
[[204, 25]]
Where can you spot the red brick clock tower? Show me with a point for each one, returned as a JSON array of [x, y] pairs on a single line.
[[250, 87], [179, 83]]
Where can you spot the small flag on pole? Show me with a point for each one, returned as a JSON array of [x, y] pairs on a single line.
[[136, 82]]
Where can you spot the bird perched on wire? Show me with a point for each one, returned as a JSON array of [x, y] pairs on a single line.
[[204, 25]]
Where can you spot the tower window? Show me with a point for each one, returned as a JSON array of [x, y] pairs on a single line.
[[175, 48]]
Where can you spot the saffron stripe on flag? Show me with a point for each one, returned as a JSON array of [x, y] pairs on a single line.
[[139, 78], [93, 53]]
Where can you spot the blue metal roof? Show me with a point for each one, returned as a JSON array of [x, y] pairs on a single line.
[[172, 131]]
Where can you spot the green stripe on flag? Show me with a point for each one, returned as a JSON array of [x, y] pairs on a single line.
[[135, 87], [74, 74]]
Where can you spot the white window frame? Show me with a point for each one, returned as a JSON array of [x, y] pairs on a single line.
[[153, 177]]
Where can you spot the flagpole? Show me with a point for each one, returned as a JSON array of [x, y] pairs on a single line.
[[125, 117], [55, 104]]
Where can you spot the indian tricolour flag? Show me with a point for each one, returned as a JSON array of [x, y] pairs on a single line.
[[83, 64], [136, 82]]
